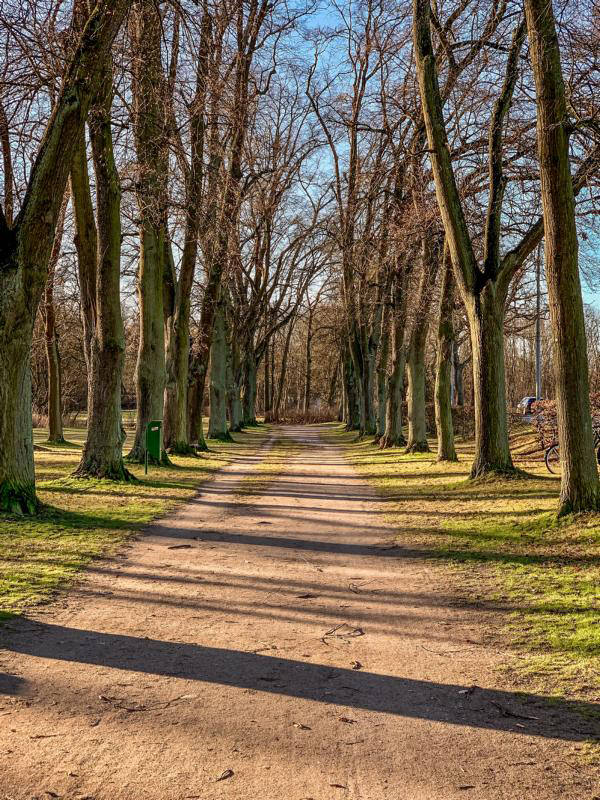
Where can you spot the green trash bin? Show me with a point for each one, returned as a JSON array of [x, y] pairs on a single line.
[[153, 442]]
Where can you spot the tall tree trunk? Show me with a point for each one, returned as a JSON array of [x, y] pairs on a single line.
[[234, 374], [149, 134], [102, 455], [393, 435], [25, 248], [382, 368], [86, 245], [417, 420], [353, 412], [175, 427], [249, 387], [308, 369], [217, 425], [283, 370], [485, 313], [458, 371], [443, 369], [333, 385], [55, 423], [580, 488], [267, 397]]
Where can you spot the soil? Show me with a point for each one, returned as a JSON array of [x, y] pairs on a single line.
[[273, 643]]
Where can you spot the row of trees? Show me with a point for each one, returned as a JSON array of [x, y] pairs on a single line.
[[250, 184]]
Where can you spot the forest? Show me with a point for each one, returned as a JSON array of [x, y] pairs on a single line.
[[354, 242]]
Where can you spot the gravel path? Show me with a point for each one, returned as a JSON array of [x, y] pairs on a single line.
[[265, 641]]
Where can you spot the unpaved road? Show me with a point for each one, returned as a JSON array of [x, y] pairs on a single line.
[[273, 634]]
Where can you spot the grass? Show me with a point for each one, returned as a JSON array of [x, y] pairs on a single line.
[[84, 519], [507, 550]]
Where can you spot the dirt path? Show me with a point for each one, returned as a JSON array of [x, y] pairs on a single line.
[[274, 635]]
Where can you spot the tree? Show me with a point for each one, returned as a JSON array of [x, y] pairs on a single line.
[[25, 248], [149, 127], [102, 455], [580, 488], [443, 388]]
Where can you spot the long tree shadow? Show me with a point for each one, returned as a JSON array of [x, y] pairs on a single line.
[[421, 699]]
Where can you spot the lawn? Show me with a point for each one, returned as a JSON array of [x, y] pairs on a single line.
[[507, 550], [84, 519]]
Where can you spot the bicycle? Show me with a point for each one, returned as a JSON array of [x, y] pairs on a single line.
[[552, 455]]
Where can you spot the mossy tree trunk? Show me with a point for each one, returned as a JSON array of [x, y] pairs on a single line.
[[152, 167], [352, 410], [234, 372], [102, 455], [249, 387], [55, 421], [580, 489], [417, 418], [446, 450], [217, 425], [485, 313], [393, 435], [175, 417], [25, 248]]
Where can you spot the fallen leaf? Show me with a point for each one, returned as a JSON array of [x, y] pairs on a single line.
[[307, 596], [180, 547], [301, 726], [224, 775], [356, 665], [348, 720]]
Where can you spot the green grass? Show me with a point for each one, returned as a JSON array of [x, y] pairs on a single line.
[[83, 519], [508, 551]]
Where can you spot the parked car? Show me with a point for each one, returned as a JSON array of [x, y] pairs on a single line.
[[526, 404]]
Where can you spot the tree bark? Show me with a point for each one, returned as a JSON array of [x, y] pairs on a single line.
[[393, 435], [25, 249], [152, 165], [249, 387], [55, 422], [443, 371], [580, 488], [217, 425], [102, 455], [485, 312]]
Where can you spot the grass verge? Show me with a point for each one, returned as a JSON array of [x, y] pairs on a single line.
[[84, 519], [508, 551]]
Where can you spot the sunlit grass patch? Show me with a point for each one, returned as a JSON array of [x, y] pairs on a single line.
[[84, 519]]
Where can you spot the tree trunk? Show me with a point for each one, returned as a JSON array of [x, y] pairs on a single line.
[[86, 245], [382, 366], [308, 370], [393, 436], [283, 370], [234, 398], [217, 425], [267, 397], [443, 372], [102, 455], [25, 249], [55, 423], [149, 134], [485, 313], [417, 420], [352, 417], [249, 388], [580, 488], [458, 372]]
